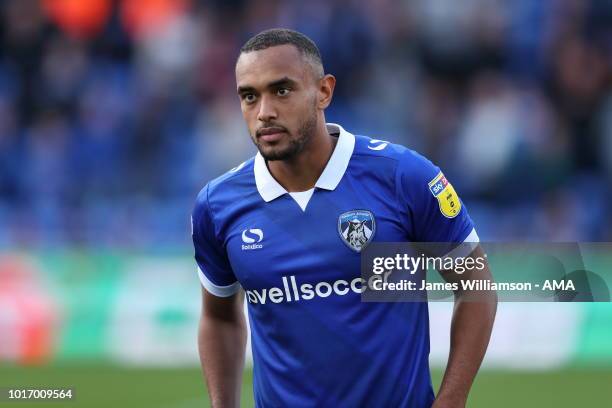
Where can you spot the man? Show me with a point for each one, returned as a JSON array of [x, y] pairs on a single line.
[[288, 227]]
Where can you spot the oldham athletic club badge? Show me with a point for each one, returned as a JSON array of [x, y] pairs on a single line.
[[450, 205], [356, 228]]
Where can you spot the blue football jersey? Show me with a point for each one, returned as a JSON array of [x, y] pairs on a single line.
[[314, 342]]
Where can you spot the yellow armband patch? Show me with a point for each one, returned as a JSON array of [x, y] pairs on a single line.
[[450, 205]]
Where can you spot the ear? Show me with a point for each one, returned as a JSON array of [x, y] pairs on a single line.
[[326, 91]]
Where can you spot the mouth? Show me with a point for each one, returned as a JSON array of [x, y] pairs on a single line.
[[271, 134]]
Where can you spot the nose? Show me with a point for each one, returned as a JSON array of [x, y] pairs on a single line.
[[267, 110]]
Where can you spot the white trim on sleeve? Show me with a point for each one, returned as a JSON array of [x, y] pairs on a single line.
[[466, 247], [473, 237], [220, 291]]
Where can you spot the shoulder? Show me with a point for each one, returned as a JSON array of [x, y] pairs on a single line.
[[407, 163], [228, 187]]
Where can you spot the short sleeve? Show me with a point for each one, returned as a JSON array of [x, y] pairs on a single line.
[[436, 212], [215, 272]]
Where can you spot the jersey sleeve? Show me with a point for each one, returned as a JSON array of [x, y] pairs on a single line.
[[214, 269], [436, 212]]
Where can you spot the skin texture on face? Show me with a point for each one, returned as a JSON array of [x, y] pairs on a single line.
[[280, 100]]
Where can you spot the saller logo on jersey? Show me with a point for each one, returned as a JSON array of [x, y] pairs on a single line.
[[356, 228], [450, 205], [376, 144], [252, 237]]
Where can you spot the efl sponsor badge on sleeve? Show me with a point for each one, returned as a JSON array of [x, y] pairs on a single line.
[[450, 205]]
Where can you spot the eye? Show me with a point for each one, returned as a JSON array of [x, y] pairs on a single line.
[[283, 91], [248, 98]]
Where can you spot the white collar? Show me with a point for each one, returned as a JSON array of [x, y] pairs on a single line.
[[270, 189]]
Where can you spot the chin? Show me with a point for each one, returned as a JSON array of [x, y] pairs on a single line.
[[275, 154]]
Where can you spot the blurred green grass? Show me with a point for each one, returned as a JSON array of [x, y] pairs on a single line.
[[114, 386]]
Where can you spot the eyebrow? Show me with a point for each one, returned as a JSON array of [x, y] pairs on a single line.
[[285, 81]]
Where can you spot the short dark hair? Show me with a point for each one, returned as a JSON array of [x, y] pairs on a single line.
[[281, 36]]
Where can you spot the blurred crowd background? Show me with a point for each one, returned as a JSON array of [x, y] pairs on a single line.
[[114, 113]]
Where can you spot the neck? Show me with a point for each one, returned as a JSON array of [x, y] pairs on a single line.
[[301, 172]]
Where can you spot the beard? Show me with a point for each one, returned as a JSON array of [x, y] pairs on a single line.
[[293, 146]]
